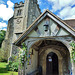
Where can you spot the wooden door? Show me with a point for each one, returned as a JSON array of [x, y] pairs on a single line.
[[52, 64]]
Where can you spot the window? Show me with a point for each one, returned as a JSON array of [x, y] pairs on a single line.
[[19, 12]]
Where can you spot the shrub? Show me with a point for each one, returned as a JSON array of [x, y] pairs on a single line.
[[13, 66], [73, 50]]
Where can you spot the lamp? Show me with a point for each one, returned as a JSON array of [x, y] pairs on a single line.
[[46, 24], [46, 27]]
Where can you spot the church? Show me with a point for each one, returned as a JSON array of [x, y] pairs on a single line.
[[46, 36]]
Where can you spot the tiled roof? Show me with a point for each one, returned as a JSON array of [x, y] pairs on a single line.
[[71, 22]]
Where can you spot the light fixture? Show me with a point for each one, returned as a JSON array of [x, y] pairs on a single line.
[[46, 24], [46, 27]]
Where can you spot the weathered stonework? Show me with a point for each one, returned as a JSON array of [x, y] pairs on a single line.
[[43, 48], [42, 35], [37, 39], [22, 18], [6, 45]]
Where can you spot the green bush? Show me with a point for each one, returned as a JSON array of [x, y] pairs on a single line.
[[13, 66], [73, 50], [2, 36]]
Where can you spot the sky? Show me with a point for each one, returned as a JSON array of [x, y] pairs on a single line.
[[65, 9]]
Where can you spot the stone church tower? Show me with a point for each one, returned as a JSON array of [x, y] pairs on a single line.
[[47, 39], [24, 14]]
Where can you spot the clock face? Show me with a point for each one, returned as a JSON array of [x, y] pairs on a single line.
[[18, 20]]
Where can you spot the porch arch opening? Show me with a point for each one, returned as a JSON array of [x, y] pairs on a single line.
[[44, 47]]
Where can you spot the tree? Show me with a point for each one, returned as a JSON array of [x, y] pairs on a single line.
[[2, 36]]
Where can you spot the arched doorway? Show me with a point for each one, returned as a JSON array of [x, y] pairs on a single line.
[[60, 52], [52, 64]]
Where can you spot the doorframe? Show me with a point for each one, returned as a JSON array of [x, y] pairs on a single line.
[[60, 58]]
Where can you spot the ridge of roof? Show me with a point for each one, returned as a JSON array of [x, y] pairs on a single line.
[[39, 18]]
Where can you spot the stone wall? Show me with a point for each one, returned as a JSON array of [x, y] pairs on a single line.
[[6, 45], [32, 11], [29, 68], [73, 68], [34, 63], [18, 17], [19, 22], [6, 49], [44, 47]]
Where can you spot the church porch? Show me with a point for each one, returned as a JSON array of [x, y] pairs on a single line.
[[58, 63]]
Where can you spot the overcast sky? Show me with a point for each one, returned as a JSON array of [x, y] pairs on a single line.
[[65, 9]]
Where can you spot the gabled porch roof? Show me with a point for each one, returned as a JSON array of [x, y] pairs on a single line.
[[38, 20]]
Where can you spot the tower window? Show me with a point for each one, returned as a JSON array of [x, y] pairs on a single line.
[[19, 12]]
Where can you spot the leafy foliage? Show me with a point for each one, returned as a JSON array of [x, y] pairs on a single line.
[[23, 54], [73, 50], [2, 52], [4, 71], [2, 36], [13, 64], [15, 60]]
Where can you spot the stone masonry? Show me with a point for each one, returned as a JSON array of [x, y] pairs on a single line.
[[24, 14]]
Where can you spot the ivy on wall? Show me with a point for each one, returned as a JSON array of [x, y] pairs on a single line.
[[23, 55], [73, 50]]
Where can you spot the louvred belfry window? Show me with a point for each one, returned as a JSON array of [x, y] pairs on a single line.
[[19, 12]]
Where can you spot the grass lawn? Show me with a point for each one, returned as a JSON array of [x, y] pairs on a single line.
[[3, 70]]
